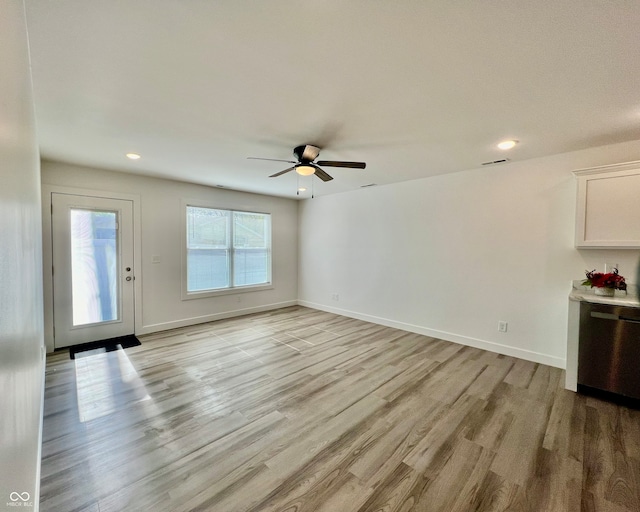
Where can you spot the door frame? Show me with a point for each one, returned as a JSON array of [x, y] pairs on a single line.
[[47, 252]]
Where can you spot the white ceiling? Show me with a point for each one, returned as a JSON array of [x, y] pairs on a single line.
[[414, 88]]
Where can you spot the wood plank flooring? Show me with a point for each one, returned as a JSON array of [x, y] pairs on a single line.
[[299, 410]]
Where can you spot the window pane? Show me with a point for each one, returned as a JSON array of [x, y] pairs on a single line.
[[250, 230], [207, 248], [250, 267], [94, 266], [207, 269], [207, 228], [251, 243]]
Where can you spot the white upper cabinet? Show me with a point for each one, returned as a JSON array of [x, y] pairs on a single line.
[[608, 207]]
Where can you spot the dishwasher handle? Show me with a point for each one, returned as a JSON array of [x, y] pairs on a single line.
[[604, 316], [611, 316], [632, 320]]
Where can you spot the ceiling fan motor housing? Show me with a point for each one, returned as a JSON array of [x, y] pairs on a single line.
[[306, 153]]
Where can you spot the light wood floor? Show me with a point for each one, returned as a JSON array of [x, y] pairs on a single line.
[[299, 410]]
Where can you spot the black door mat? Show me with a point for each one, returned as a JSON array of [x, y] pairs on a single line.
[[96, 347]]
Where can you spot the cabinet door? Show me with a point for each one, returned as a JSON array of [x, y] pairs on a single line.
[[608, 209]]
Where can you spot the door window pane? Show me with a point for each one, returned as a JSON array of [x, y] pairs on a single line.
[[94, 266]]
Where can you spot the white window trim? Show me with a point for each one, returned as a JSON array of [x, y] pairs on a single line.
[[187, 295]]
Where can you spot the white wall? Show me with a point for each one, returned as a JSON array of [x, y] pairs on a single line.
[[447, 256], [21, 327], [159, 229], [450, 256]]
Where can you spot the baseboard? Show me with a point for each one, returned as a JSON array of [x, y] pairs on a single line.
[[165, 326], [528, 355]]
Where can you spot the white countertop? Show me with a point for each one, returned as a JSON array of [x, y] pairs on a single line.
[[621, 298]]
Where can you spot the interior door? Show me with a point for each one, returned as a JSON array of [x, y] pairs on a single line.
[[93, 292]]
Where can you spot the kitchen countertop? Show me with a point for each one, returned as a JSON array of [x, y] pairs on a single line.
[[584, 293]]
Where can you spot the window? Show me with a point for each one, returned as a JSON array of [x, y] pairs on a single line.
[[227, 249]]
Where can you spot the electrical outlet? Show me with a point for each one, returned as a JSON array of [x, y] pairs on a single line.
[[335, 296], [502, 326]]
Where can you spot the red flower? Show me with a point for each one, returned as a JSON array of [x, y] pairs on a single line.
[[600, 280]]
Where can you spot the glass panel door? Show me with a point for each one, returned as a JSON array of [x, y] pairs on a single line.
[[93, 278]]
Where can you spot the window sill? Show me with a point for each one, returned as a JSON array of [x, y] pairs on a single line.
[[226, 291]]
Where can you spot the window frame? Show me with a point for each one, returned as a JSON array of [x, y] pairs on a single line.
[[214, 292]]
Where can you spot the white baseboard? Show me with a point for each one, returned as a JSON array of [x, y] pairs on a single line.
[[165, 326], [528, 355]]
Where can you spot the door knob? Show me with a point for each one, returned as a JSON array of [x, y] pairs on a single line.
[[128, 278]]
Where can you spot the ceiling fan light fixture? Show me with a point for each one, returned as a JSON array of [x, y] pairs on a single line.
[[305, 170]]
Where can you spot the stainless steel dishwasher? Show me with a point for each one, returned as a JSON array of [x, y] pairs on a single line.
[[609, 349]]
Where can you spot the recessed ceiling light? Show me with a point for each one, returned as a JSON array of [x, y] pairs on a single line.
[[133, 156], [507, 144], [302, 189]]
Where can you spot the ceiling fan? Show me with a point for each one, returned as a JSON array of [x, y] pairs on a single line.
[[305, 165]]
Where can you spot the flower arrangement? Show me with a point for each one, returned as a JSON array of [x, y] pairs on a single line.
[[612, 280]]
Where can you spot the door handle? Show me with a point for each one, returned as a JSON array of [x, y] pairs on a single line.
[[128, 278]]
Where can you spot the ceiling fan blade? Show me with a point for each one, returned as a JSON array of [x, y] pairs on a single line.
[[322, 175], [351, 165], [271, 159], [282, 172]]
